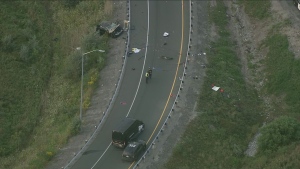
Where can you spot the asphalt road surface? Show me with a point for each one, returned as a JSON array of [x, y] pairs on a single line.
[[147, 102]]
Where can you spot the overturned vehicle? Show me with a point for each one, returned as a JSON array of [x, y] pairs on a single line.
[[113, 29]]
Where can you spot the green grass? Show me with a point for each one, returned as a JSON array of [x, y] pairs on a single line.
[[257, 9], [40, 82], [282, 72], [219, 136]]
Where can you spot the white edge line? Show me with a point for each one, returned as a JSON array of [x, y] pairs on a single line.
[[101, 155], [143, 64]]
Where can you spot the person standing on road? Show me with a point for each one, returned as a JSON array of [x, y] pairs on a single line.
[[147, 76], [150, 72]]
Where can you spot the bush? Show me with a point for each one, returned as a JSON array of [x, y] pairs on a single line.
[[24, 53], [7, 43], [71, 3], [76, 125], [73, 67], [280, 132]]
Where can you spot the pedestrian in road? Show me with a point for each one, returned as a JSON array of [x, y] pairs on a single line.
[[147, 76], [150, 72]]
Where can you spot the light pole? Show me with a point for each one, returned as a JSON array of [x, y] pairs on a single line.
[[81, 90]]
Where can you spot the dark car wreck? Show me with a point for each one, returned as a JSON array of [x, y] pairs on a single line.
[[113, 29]]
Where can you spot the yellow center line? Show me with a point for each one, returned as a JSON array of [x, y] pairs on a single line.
[[180, 55]]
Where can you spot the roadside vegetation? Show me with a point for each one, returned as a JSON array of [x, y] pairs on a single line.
[[219, 136], [40, 75]]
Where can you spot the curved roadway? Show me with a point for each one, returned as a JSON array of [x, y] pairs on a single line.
[[147, 102]]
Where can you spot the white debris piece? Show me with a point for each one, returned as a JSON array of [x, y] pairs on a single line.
[[166, 34], [136, 50], [215, 88]]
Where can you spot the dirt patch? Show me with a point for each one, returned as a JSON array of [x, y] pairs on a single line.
[[108, 7]]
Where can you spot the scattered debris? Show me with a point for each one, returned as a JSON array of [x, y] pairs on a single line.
[[136, 50], [201, 53], [215, 88], [166, 58], [166, 34], [123, 103], [126, 24]]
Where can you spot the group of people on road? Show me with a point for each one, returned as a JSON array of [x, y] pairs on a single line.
[[148, 74]]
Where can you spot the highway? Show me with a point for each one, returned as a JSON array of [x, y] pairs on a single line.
[[147, 102]]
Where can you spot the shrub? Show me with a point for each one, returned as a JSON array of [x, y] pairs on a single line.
[[76, 125], [71, 3], [73, 67], [24, 53], [280, 132], [7, 43]]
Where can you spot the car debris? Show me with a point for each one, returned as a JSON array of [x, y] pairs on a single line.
[[135, 50], [166, 58], [166, 34], [113, 29]]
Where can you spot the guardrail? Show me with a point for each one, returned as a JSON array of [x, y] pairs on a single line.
[[112, 100], [177, 96]]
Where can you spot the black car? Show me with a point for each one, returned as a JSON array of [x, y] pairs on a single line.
[[297, 4], [113, 29], [129, 129], [134, 150]]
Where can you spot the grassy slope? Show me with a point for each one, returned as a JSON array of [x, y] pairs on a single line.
[[219, 136], [40, 82], [25, 69]]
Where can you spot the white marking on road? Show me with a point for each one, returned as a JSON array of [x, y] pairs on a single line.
[[146, 49], [101, 156]]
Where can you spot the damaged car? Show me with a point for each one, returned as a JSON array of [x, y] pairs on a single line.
[[113, 29], [297, 4]]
